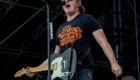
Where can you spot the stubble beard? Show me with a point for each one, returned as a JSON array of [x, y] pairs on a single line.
[[70, 12]]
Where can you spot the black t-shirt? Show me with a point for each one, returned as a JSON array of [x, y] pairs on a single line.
[[77, 33]]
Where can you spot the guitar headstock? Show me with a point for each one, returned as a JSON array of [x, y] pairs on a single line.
[[20, 73]]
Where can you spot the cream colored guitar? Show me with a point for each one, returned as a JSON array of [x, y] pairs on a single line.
[[55, 66]]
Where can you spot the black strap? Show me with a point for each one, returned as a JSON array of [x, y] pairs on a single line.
[[85, 53], [70, 62]]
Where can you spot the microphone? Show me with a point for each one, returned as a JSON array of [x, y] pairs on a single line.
[[62, 2]]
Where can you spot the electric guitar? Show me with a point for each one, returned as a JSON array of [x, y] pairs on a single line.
[[62, 65]]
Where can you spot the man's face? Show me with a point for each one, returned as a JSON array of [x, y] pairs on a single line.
[[70, 6]]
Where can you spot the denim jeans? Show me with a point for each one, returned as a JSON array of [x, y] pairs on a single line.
[[84, 74]]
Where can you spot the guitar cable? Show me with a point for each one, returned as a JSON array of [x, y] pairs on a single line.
[[39, 76]]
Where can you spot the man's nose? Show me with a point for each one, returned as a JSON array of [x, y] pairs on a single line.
[[66, 0]]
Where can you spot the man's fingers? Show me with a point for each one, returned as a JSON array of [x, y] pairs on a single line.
[[28, 67], [28, 72], [116, 69], [117, 72], [114, 72], [120, 72]]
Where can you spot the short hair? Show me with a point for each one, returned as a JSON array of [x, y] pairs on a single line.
[[82, 9]]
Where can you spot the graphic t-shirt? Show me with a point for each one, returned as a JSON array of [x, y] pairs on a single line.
[[77, 33]]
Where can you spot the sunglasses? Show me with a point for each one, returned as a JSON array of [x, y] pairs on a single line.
[[65, 0]]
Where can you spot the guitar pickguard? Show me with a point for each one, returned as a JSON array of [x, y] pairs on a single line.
[[64, 71], [57, 70]]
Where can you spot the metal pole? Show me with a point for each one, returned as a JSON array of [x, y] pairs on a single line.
[[116, 48], [136, 39], [48, 43], [8, 9], [22, 25], [116, 25], [120, 34], [130, 42], [133, 9], [118, 29]]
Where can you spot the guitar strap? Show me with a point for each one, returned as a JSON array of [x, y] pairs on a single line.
[[83, 56], [85, 53], [81, 59], [70, 62]]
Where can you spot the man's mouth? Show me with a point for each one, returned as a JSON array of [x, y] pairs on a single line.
[[68, 6]]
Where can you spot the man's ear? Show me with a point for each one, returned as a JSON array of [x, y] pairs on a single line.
[[79, 3]]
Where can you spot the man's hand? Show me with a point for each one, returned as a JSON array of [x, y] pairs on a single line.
[[29, 74], [116, 69]]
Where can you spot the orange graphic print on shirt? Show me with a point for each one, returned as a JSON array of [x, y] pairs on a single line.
[[69, 35]]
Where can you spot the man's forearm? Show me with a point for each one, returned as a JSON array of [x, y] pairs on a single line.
[[101, 39], [44, 63], [109, 52]]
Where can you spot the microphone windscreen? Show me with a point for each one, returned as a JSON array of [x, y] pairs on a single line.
[[62, 2]]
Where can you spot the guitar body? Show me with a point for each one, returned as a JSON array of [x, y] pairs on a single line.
[[65, 64]]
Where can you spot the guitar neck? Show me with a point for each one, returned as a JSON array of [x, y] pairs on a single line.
[[35, 69], [41, 68]]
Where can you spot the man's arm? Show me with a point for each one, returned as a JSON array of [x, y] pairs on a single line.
[[101, 39], [57, 50]]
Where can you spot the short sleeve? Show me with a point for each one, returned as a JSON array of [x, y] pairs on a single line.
[[93, 25], [57, 41]]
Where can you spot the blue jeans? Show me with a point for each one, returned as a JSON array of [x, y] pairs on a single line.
[[84, 74]]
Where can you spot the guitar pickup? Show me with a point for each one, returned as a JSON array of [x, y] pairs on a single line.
[[55, 66], [64, 64]]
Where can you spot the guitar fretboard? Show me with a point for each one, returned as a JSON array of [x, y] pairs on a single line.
[[41, 68]]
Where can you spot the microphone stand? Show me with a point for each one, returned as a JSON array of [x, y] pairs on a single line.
[[48, 32], [48, 43], [49, 39]]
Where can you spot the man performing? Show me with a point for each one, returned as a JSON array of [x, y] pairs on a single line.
[[77, 32]]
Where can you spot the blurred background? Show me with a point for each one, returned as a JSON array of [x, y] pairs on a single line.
[[23, 35]]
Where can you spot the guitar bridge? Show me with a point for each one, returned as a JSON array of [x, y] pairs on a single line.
[[65, 73]]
